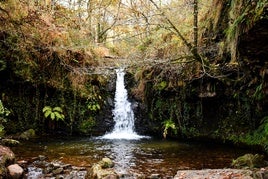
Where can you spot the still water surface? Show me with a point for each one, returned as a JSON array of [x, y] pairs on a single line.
[[144, 156]]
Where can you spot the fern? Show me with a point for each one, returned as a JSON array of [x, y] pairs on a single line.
[[54, 113], [169, 124]]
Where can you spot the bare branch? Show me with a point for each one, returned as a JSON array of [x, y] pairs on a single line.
[[189, 45]]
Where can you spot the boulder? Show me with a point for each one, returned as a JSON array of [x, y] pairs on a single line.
[[214, 173], [7, 157], [15, 171]]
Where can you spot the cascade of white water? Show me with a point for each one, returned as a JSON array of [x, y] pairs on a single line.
[[122, 114]]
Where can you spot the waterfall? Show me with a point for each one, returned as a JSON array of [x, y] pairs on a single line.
[[123, 114]]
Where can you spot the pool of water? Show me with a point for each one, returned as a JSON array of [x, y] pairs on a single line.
[[144, 156]]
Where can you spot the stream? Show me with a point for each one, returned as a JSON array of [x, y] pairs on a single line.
[[144, 156]]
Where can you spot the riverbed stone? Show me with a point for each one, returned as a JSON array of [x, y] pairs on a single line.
[[214, 174], [58, 171], [15, 171]]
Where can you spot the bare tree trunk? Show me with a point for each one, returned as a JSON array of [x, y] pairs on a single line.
[[89, 17], [195, 26]]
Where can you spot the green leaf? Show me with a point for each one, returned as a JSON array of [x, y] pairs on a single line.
[[57, 109], [57, 115], [47, 108], [47, 113], [52, 116], [98, 106]]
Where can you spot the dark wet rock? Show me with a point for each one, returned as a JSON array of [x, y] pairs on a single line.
[[29, 134], [10, 142], [15, 171], [60, 177], [42, 157], [67, 166], [249, 161], [214, 173], [155, 176], [57, 171]]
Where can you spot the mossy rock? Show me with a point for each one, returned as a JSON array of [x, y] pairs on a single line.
[[249, 161], [29, 134], [106, 163], [10, 142], [102, 169]]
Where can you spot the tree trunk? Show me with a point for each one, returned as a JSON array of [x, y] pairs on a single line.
[[195, 50]]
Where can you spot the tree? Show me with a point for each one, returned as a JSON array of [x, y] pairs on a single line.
[[191, 48]]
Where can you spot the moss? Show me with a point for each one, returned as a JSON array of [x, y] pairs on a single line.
[[250, 161]]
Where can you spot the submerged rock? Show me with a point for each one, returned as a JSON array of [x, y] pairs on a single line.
[[54, 169]]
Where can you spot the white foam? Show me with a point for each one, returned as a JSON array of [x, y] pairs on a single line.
[[123, 135]]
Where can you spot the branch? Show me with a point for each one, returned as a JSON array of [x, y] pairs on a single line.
[[189, 45], [116, 18]]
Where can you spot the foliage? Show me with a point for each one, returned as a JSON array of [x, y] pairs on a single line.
[[4, 112], [93, 106], [258, 137], [2, 65], [249, 161], [87, 125], [169, 125], [161, 86], [54, 113], [258, 94]]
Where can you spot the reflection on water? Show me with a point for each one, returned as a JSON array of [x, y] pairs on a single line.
[[145, 156], [122, 154]]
